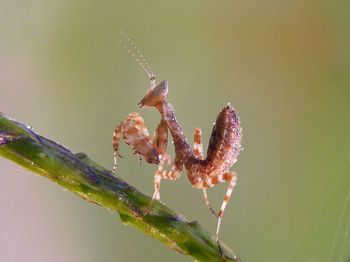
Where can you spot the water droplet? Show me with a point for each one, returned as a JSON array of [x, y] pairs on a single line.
[[41, 155]]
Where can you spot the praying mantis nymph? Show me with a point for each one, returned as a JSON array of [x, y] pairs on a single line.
[[203, 173]]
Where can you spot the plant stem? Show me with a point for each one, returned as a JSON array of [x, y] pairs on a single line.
[[92, 182]]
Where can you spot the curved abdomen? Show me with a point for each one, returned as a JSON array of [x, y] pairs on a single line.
[[225, 142]]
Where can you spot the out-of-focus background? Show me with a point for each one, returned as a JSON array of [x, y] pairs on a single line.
[[284, 65]]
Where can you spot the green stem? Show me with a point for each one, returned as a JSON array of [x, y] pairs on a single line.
[[79, 174]]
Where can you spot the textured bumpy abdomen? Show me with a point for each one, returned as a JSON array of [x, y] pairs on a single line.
[[225, 141]]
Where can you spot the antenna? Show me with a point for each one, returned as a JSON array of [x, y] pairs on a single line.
[[139, 58]]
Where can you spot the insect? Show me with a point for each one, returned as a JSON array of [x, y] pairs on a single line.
[[203, 173]]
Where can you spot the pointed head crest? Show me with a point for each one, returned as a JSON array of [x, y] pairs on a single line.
[[155, 95]]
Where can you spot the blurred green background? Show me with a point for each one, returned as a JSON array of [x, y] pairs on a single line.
[[284, 65]]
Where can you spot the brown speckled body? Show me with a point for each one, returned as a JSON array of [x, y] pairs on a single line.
[[224, 146]]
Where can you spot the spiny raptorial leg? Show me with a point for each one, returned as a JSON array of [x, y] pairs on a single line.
[[198, 152], [134, 132]]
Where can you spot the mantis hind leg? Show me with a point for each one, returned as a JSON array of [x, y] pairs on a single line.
[[231, 178], [206, 200], [198, 152], [213, 180]]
